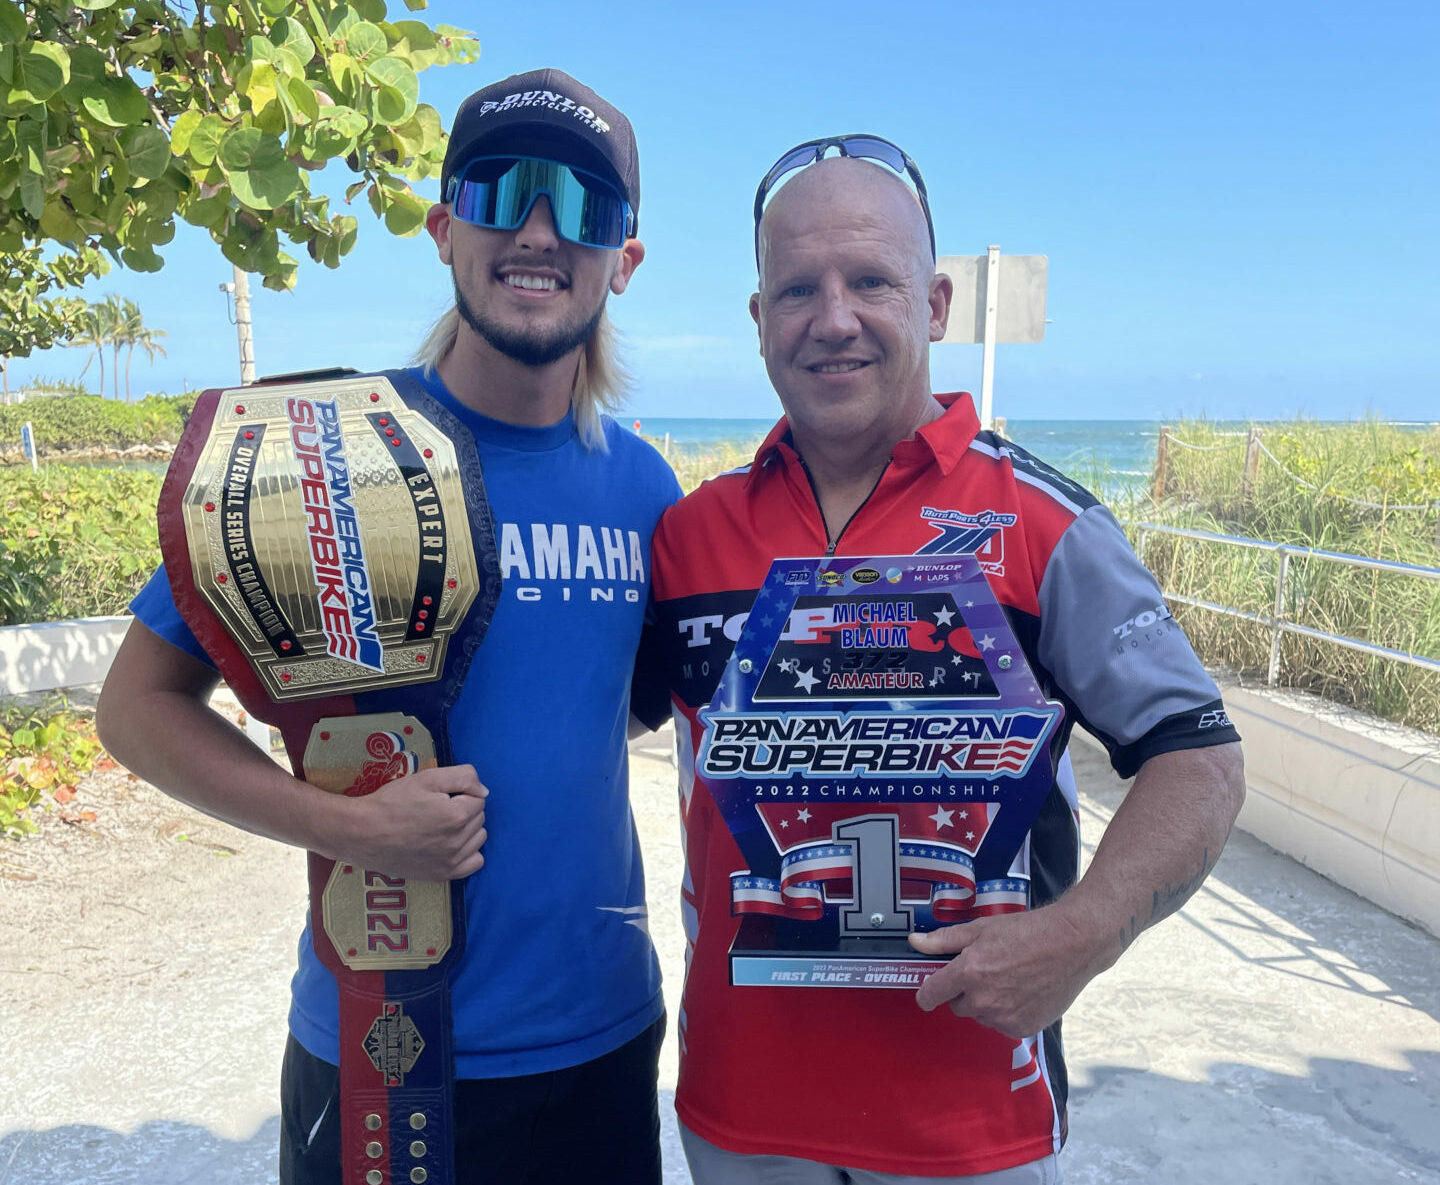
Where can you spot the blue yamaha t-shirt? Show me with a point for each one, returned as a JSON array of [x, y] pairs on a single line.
[[558, 966]]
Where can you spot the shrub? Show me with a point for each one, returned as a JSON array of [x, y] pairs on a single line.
[[74, 542], [69, 422], [43, 750]]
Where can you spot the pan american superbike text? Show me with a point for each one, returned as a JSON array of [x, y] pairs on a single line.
[[932, 743]]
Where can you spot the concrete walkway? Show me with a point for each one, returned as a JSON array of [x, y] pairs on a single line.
[[1279, 1030]]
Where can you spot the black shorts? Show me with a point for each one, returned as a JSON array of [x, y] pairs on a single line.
[[598, 1121]]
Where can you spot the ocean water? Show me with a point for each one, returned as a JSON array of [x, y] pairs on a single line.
[[1101, 454]]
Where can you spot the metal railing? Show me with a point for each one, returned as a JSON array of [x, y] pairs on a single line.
[[1277, 622]]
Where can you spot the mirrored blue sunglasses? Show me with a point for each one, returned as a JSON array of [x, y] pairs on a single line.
[[858, 145], [498, 192]]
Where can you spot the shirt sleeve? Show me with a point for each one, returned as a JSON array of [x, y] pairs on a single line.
[[154, 608], [1115, 652]]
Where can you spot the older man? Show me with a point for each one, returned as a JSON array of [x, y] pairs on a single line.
[[556, 1004], [825, 1085]]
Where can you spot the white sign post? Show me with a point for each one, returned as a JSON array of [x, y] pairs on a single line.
[[27, 445], [997, 299]]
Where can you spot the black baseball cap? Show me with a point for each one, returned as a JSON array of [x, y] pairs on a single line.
[[545, 113]]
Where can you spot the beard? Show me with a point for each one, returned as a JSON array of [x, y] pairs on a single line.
[[530, 345]]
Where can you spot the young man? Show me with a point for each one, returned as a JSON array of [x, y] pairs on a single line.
[[556, 1002], [816, 1085]]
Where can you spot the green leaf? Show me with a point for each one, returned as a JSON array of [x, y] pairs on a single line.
[[347, 230], [257, 168], [302, 97], [261, 49], [7, 63], [32, 193], [30, 145], [182, 129], [275, 7], [336, 131], [58, 223], [405, 214], [140, 259], [292, 44], [341, 18], [415, 5], [119, 103], [423, 133], [365, 42], [371, 10], [93, 5], [12, 24], [205, 139], [88, 69], [282, 274], [207, 211], [147, 151], [414, 37], [345, 120], [344, 72], [256, 81], [40, 70], [399, 89]]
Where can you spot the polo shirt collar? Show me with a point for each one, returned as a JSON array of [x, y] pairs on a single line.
[[944, 438]]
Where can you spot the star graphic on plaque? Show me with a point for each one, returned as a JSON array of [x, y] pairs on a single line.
[[944, 616], [985, 643], [805, 680], [942, 817]]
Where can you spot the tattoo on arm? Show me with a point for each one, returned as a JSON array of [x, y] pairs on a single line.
[[1166, 901], [1127, 934]]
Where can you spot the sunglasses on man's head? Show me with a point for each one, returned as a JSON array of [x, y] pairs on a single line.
[[498, 192], [857, 146]]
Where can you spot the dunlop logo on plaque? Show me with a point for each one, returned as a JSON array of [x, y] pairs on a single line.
[[327, 529]]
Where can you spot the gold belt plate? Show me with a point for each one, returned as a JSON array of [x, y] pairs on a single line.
[[377, 922], [327, 529]]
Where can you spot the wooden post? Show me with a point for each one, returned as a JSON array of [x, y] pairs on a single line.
[[999, 428], [1252, 463], [1162, 451]]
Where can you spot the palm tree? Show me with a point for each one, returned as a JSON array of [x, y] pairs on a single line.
[[114, 317], [140, 334], [91, 335]]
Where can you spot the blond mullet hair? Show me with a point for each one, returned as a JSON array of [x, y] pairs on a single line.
[[601, 380]]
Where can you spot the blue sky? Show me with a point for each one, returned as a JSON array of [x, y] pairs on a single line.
[[1238, 200]]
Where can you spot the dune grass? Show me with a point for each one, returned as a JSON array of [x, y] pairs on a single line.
[[1366, 489]]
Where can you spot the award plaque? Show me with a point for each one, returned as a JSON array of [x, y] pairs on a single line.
[[879, 748], [330, 545]]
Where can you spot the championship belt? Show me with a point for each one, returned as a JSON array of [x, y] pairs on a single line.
[[330, 545]]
